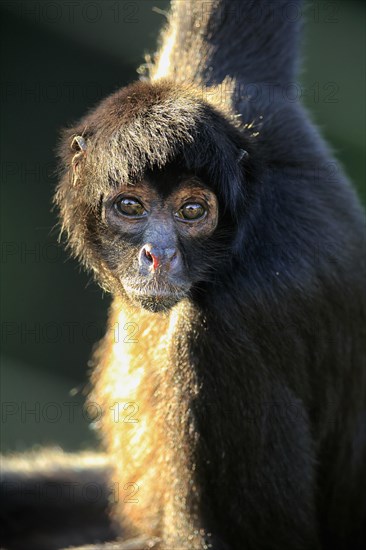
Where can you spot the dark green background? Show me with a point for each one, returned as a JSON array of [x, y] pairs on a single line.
[[57, 60]]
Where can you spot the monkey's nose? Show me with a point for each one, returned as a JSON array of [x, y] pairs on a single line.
[[153, 258]]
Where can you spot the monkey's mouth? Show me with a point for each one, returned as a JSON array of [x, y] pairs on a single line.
[[155, 299]]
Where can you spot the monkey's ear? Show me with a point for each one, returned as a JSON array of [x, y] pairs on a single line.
[[78, 144], [242, 155], [78, 147]]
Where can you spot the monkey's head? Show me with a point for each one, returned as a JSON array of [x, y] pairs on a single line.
[[153, 181]]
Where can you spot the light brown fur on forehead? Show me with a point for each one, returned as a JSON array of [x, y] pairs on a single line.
[[123, 132], [141, 100], [147, 111]]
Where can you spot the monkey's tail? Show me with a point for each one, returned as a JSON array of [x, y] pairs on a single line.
[[53, 499]]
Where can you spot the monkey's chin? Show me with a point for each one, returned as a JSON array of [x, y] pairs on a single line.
[[155, 302]]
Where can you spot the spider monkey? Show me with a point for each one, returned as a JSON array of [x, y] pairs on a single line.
[[233, 251]]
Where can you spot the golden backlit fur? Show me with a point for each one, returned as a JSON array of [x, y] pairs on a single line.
[[141, 372]]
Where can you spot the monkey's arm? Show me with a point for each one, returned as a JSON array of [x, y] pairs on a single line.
[[252, 41], [52, 499]]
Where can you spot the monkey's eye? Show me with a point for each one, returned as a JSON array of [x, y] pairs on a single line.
[[191, 211], [128, 206]]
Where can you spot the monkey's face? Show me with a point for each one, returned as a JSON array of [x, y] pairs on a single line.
[[156, 237]]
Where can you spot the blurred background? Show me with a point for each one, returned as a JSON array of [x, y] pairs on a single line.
[[58, 59]]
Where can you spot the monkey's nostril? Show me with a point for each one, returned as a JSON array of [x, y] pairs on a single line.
[[148, 256], [154, 258]]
